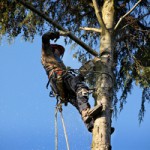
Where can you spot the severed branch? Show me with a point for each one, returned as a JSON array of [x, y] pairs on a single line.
[[126, 14], [91, 29], [63, 33], [98, 15], [55, 24]]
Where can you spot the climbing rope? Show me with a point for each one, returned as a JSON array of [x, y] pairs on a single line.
[[59, 108], [65, 132], [56, 130]]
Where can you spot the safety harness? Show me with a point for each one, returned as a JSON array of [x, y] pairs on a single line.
[[52, 83], [81, 72]]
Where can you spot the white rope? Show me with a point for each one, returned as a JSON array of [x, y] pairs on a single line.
[[56, 130], [59, 107], [65, 132]]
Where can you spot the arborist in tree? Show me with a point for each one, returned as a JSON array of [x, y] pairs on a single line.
[[69, 87]]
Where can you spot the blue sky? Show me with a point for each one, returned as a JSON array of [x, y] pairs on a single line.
[[27, 112]]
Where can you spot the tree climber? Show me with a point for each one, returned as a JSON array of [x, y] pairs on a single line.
[[64, 82]]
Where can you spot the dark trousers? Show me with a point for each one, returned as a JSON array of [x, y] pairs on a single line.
[[73, 85]]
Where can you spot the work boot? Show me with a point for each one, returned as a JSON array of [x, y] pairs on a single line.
[[88, 114], [84, 114], [89, 123]]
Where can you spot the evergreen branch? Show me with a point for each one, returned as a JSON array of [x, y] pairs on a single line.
[[126, 14], [137, 20], [91, 29], [126, 90], [98, 15], [55, 24], [145, 96], [81, 16], [124, 4]]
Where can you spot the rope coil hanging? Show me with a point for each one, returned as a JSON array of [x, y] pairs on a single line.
[[59, 108]]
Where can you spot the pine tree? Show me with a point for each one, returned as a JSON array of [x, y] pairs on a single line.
[[115, 31]]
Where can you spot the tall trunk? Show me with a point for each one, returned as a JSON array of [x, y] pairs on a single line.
[[104, 85]]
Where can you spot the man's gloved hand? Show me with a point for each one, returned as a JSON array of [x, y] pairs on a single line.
[[54, 35], [50, 36]]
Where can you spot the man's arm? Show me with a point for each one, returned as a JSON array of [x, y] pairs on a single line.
[[49, 36]]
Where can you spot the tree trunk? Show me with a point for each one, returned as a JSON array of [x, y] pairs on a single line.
[[104, 85]]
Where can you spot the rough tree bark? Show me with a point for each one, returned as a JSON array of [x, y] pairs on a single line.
[[104, 85]]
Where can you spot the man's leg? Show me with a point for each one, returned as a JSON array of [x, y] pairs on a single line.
[[82, 95]]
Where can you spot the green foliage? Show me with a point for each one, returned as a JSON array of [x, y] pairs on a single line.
[[132, 51], [15, 20], [131, 40], [145, 97]]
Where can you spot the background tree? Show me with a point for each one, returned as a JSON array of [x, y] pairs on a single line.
[[119, 33]]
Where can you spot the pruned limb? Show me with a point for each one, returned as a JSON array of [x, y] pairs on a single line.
[[63, 33], [126, 14], [59, 27], [98, 15], [91, 29]]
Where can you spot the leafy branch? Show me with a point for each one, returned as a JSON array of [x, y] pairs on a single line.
[[126, 14], [55, 24], [137, 20]]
